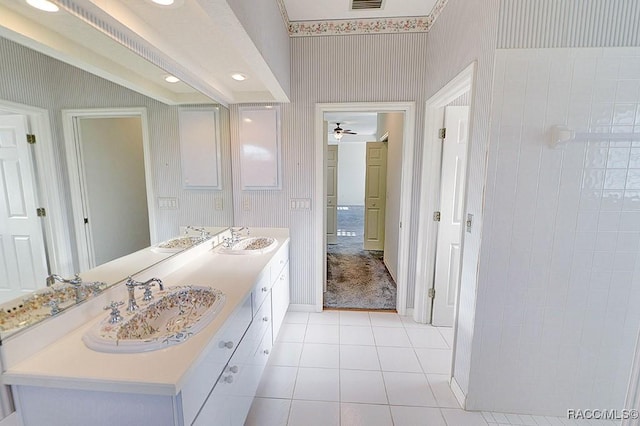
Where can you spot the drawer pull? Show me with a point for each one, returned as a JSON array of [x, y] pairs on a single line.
[[265, 289], [265, 319], [233, 369], [228, 345], [266, 352], [228, 379]]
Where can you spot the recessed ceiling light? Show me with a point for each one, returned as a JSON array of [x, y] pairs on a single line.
[[171, 79], [163, 2], [238, 77], [45, 5]]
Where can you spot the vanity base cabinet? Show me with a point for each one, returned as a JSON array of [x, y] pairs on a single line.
[[280, 299], [219, 391], [39, 406]]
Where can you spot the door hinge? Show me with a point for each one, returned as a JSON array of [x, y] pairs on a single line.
[[442, 133], [432, 293], [31, 138], [41, 212], [436, 216], [86, 220]]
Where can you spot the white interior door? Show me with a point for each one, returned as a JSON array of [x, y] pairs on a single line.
[[450, 228], [114, 187], [332, 194], [375, 190], [23, 262]]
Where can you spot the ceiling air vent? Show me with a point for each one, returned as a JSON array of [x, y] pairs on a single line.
[[366, 4]]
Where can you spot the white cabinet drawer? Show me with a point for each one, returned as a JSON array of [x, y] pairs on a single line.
[[279, 260], [231, 398], [224, 344], [280, 299], [261, 290], [261, 322]]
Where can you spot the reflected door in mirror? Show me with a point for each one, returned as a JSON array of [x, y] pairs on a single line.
[[22, 251]]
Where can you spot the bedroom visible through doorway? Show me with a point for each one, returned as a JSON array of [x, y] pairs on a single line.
[[363, 164]]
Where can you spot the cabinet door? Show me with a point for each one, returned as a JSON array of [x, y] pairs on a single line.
[[248, 381], [280, 299], [225, 343]]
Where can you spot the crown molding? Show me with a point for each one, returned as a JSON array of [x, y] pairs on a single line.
[[414, 24]]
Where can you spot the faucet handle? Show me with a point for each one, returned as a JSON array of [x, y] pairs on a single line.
[[115, 316], [54, 305], [147, 296], [96, 287]]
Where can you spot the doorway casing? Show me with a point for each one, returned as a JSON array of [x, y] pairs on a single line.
[[320, 191], [430, 188], [73, 150], [48, 182]]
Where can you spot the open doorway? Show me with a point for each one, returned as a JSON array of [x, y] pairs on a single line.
[[33, 240], [108, 156], [320, 192], [370, 227], [443, 221], [362, 209]]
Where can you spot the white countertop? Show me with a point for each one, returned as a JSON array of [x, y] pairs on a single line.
[[68, 363]]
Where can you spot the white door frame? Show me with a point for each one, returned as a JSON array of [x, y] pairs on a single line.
[[74, 154], [430, 189], [48, 180], [319, 193]]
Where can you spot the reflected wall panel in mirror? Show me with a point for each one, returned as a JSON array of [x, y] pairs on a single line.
[[30, 80]]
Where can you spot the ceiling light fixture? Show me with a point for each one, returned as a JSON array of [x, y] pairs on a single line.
[[45, 5], [338, 136], [171, 79], [163, 2], [238, 77]]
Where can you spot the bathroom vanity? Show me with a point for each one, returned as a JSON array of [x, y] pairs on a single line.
[[210, 378]]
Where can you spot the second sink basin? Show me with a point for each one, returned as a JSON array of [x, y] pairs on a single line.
[[250, 245], [176, 314]]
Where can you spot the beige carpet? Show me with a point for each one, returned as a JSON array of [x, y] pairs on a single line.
[[356, 279]]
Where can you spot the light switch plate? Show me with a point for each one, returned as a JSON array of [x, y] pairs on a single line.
[[300, 204], [167, 203]]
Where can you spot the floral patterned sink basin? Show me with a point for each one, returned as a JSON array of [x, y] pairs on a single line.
[[175, 314], [250, 245], [177, 244]]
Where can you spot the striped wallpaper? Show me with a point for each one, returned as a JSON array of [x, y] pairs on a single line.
[[466, 32], [568, 23], [379, 68], [33, 79]]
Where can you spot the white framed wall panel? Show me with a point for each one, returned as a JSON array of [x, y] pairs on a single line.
[[200, 147], [260, 167], [64, 86]]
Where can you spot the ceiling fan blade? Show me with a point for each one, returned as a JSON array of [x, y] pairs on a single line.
[[349, 132]]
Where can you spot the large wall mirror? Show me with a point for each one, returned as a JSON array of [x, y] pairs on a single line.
[[94, 136]]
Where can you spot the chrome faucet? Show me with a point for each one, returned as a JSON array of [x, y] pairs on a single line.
[[75, 282], [132, 284], [235, 233], [203, 232]]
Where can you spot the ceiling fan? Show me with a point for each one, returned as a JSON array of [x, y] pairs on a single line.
[[338, 132]]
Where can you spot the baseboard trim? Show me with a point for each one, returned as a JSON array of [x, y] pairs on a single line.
[[299, 307], [458, 393]]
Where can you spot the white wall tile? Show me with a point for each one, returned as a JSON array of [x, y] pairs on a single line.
[[570, 282]]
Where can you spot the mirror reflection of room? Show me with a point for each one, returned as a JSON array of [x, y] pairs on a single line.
[[110, 154]]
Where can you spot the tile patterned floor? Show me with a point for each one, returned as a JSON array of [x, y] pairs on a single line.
[[366, 369]]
